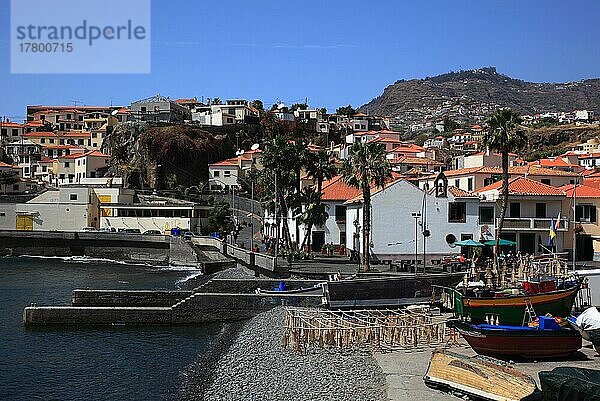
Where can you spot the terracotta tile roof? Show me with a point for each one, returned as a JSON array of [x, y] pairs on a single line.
[[46, 160], [186, 100], [62, 147], [34, 123], [2, 164], [420, 161], [512, 170], [410, 148], [10, 124], [583, 191], [461, 193], [79, 134], [524, 186], [39, 134], [557, 162], [385, 139], [72, 156], [227, 162], [594, 155], [375, 190], [337, 190]]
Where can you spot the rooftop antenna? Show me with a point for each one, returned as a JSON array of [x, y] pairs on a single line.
[[76, 102]]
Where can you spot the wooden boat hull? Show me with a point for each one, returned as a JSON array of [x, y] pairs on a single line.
[[479, 377], [510, 310], [385, 291], [534, 344]]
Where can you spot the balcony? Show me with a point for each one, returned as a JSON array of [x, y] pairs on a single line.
[[532, 223]]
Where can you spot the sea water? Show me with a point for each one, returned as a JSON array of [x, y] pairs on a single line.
[[92, 363]]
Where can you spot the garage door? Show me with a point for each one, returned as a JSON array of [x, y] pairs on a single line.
[[24, 222]]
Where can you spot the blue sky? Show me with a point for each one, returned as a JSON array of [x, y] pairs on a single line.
[[332, 52]]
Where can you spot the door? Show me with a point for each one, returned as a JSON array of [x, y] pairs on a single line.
[[527, 244], [24, 222], [585, 247], [317, 241]]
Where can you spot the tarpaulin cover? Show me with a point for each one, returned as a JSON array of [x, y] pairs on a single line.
[[570, 384], [589, 319]]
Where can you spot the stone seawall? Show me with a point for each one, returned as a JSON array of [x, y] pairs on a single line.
[[198, 308], [155, 249], [127, 298], [250, 285]]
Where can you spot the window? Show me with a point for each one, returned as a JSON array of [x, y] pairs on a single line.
[[470, 184], [51, 140], [515, 210], [2, 214], [15, 132], [340, 214], [43, 140], [226, 173], [44, 168], [457, 183], [457, 212], [545, 181], [585, 213], [143, 109], [73, 197], [486, 215], [540, 210], [67, 164], [216, 173], [488, 181], [343, 237], [15, 187]]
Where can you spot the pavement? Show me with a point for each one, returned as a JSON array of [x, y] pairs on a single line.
[[404, 371]]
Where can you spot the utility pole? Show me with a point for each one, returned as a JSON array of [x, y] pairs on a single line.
[[416, 216], [276, 220], [252, 216], [574, 222]]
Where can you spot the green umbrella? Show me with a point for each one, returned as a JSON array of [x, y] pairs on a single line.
[[502, 242], [469, 242]]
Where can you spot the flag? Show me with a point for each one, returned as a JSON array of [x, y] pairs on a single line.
[[557, 224], [551, 233]]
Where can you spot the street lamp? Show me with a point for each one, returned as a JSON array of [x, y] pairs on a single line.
[[416, 216], [357, 238]]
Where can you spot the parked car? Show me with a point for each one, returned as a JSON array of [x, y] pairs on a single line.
[[152, 232], [187, 235], [86, 229], [107, 230], [130, 230]]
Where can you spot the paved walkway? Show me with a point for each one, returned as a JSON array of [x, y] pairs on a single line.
[[405, 370]]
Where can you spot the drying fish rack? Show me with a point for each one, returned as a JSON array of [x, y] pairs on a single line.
[[379, 330]]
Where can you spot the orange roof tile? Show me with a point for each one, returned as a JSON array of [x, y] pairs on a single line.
[[10, 124], [582, 191], [421, 161], [78, 134], [524, 186], [227, 162], [39, 134], [72, 156], [337, 190], [460, 193], [375, 190]]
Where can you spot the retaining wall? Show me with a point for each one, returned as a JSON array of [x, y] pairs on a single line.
[[46, 315], [127, 298]]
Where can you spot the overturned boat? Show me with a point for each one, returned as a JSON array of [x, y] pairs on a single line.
[[588, 325], [481, 377]]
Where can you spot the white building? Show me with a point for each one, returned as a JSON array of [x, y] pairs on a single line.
[[449, 214]]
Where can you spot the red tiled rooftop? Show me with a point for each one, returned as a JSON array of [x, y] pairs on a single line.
[[10, 124], [524, 186], [582, 191], [460, 193], [227, 162], [337, 190], [39, 134]]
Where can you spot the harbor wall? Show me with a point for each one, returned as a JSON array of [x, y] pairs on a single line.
[[127, 298], [68, 315], [156, 249]]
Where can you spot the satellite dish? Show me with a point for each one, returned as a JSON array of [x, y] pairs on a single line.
[[239, 152], [280, 106], [114, 112], [255, 146]]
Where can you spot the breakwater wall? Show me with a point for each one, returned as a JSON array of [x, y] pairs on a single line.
[[198, 308], [252, 284], [127, 298], [155, 249]]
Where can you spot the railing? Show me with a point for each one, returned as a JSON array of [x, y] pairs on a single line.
[[533, 223]]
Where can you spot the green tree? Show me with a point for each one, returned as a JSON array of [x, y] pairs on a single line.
[[366, 165], [314, 214], [216, 101], [505, 134], [450, 125], [299, 106], [323, 110], [319, 167], [258, 105], [8, 177], [219, 218], [346, 111]]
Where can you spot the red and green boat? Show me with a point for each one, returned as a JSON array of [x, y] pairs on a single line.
[[507, 308]]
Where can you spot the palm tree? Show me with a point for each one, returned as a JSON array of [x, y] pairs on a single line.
[[315, 213], [366, 165], [320, 168], [505, 134]]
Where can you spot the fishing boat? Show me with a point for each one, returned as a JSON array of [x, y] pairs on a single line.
[[588, 325], [548, 340], [509, 306], [481, 377]]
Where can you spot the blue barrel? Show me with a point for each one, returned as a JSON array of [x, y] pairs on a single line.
[[175, 231], [282, 285]]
